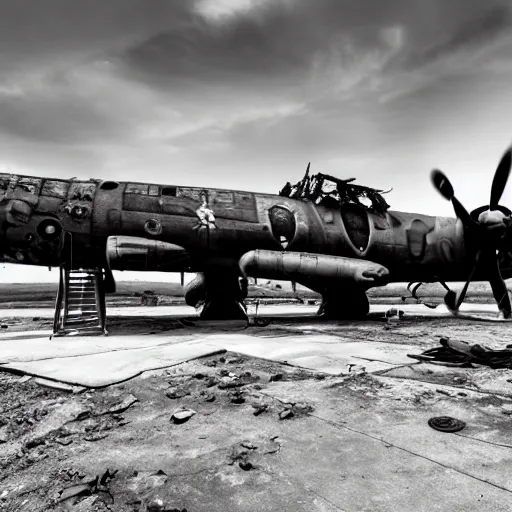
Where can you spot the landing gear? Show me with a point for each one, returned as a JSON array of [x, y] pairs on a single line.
[[221, 292], [344, 305]]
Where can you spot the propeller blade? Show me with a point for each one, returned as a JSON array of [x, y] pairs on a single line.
[[450, 299], [499, 288], [463, 214], [442, 184], [470, 277], [445, 188], [500, 179]]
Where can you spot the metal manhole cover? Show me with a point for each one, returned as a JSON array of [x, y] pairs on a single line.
[[446, 424]]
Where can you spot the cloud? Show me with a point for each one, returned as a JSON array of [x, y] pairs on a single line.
[[243, 93], [479, 30]]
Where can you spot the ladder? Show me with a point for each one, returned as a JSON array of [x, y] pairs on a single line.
[[80, 305]]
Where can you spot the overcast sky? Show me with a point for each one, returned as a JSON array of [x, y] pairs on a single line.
[[243, 93]]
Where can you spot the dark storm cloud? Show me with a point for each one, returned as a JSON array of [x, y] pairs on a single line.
[[480, 29], [126, 85], [281, 38], [275, 39], [44, 43], [31, 30]]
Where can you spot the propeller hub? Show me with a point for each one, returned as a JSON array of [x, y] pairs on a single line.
[[492, 218]]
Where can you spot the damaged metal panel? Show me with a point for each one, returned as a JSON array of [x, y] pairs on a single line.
[[55, 188], [142, 197], [30, 185], [48, 204], [141, 203], [179, 206], [82, 191]]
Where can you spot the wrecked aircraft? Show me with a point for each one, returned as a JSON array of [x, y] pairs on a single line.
[[330, 235]]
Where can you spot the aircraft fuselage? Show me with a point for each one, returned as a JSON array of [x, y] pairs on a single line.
[[217, 225]]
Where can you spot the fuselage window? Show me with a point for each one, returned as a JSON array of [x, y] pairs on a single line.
[[169, 191], [154, 190], [137, 188]]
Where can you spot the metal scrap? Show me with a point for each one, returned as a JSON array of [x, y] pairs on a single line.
[[331, 191], [460, 353]]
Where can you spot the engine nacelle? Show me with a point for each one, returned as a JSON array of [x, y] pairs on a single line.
[[133, 253], [292, 266]]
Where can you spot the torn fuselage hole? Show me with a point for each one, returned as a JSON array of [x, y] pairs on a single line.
[[153, 227]]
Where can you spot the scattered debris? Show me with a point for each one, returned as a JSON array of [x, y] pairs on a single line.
[[230, 382], [4, 436], [148, 298], [276, 445], [245, 465], [34, 442], [393, 316], [127, 402], [460, 353], [182, 415], [259, 408], [63, 442], [143, 482], [175, 393], [239, 453], [95, 437], [446, 424], [237, 397], [286, 414], [234, 360], [88, 485], [76, 490]]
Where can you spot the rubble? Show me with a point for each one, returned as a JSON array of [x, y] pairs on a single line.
[[126, 403], [180, 416], [87, 485], [237, 397], [259, 408], [286, 414]]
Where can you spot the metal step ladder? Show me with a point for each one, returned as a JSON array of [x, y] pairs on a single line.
[[80, 305]]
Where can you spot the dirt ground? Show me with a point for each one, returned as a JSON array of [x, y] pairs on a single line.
[[232, 432]]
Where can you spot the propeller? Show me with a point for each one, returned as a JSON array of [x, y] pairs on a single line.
[[488, 233]]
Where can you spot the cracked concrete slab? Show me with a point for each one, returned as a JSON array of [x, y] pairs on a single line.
[[100, 361]]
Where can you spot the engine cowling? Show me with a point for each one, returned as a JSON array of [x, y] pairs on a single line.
[[294, 265], [143, 254]]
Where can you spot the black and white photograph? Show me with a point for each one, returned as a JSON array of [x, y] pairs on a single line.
[[255, 255]]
